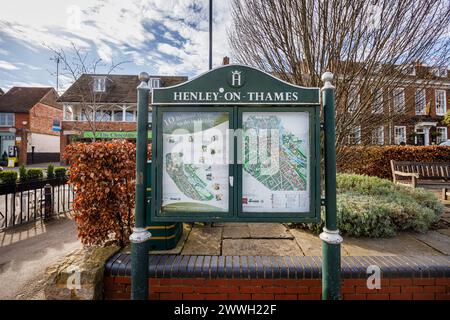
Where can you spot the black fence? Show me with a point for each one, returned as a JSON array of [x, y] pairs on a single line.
[[26, 202]]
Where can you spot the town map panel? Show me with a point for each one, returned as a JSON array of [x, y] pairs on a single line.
[[195, 162], [275, 162]]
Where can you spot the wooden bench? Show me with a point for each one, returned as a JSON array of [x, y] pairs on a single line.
[[432, 174]]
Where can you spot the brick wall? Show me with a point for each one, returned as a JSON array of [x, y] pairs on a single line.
[[277, 278], [41, 119], [119, 288]]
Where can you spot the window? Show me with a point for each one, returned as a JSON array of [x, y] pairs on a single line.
[[68, 113], [130, 115], [118, 115], [378, 135], [353, 100], [399, 100], [6, 119], [99, 84], [86, 114], [399, 134], [443, 134], [441, 102], [377, 103], [107, 115], [155, 83], [420, 102], [355, 136], [409, 70], [439, 72]]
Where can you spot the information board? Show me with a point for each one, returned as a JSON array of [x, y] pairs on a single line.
[[276, 162]]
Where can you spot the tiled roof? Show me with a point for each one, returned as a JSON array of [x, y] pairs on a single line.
[[119, 88], [22, 99]]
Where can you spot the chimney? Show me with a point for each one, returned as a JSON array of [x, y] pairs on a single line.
[[226, 60]]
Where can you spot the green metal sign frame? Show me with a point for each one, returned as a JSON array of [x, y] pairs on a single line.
[[236, 89]]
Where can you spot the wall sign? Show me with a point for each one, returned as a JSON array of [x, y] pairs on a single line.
[[235, 144]]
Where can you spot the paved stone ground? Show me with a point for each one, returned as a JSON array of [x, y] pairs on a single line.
[[278, 239], [26, 251]]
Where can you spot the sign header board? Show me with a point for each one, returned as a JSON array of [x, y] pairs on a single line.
[[236, 85]]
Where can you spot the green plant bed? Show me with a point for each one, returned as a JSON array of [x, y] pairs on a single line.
[[374, 207]]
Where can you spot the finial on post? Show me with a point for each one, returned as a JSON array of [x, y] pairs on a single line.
[[143, 78], [327, 79]]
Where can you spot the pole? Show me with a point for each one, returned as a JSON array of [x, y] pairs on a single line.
[[210, 32], [331, 240], [139, 252]]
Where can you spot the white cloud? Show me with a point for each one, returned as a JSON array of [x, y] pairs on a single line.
[[116, 30], [7, 66]]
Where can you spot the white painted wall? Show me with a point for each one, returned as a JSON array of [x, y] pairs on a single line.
[[43, 143]]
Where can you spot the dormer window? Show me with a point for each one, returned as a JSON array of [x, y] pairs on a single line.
[[440, 72], [155, 83], [409, 70], [99, 84]]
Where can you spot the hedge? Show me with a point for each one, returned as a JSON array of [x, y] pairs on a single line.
[[375, 160], [34, 174], [60, 172], [374, 207], [8, 177]]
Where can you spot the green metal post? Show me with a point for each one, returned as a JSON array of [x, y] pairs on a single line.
[[331, 240], [139, 252]]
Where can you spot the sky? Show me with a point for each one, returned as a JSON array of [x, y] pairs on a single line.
[[161, 37]]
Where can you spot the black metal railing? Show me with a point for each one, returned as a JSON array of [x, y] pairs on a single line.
[[26, 202]]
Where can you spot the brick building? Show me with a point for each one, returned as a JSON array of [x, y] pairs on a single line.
[[414, 110], [30, 119], [104, 106]]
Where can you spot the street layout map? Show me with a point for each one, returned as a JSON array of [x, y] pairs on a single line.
[[275, 162], [195, 166]]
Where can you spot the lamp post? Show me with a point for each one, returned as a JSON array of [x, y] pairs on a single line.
[[331, 240], [139, 250]]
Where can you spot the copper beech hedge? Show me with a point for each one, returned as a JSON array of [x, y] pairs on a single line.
[[375, 160], [103, 177]]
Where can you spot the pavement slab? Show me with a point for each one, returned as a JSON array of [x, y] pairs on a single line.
[[263, 247], [403, 244], [310, 244], [269, 231], [236, 232], [436, 240], [203, 241]]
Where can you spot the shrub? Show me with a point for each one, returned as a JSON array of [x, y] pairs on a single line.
[[374, 207], [375, 160], [103, 176], [50, 171], [35, 174], [8, 177], [60, 172], [23, 177]]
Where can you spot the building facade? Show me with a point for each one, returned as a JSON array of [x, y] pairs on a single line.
[[30, 120], [104, 107], [413, 111]]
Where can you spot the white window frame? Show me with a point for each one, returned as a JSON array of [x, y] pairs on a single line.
[[99, 84], [357, 132], [66, 106], [402, 102], [443, 136], [440, 72], [377, 101], [378, 136], [398, 140], [155, 82], [440, 111], [8, 124], [418, 110], [353, 100]]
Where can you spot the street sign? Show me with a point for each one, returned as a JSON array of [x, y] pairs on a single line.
[[236, 144]]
